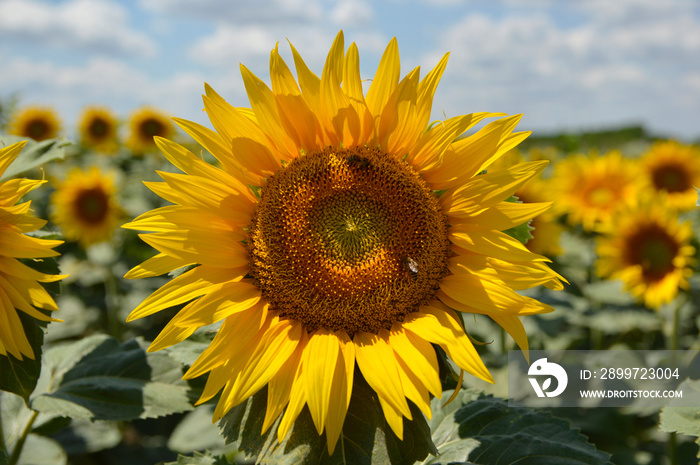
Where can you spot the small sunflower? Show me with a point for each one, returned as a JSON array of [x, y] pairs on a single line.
[[343, 255], [673, 168], [19, 284], [38, 123], [84, 206], [649, 250], [98, 129], [145, 124], [589, 189]]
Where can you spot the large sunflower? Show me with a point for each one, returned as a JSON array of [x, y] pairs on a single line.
[[19, 284], [35, 122], [145, 124], [673, 169], [649, 250], [84, 206], [98, 129], [590, 188], [322, 245]]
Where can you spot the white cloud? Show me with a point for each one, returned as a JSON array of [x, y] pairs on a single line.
[[352, 13], [240, 11], [602, 71], [91, 25], [101, 81]]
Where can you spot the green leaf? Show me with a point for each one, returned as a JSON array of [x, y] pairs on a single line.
[[98, 378], [682, 415], [200, 459], [20, 376], [697, 203], [197, 432], [39, 450], [486, 431], [366, 437], [3, 457], [33, 155], [522, 232]]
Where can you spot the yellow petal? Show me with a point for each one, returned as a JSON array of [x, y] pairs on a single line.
[[320, 360], [280, 387], [495, 244], [487, 190], [419, 355], [209, 248], [275, 348], [438, 324], [187, 286], [155, 266], [385, 79], [377, 362], [9, 154], [262, 101], [22, 246], [502, 216]]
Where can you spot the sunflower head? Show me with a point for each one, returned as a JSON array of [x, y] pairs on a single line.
[[35, 122], [342, 231], [98, 129], [590, 188], [649, 249], [145, 124], [673, 169], [84, 206], [19, 284]]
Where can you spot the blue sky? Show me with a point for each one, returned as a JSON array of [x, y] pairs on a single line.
[[564, 64]]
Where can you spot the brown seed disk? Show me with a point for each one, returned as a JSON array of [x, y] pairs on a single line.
[[347, 239]]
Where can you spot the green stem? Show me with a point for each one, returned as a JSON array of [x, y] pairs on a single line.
[[114, 326], [672, 449], [675, 329], [20, 442]]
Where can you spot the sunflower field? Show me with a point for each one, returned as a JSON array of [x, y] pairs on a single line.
[[327, 275]]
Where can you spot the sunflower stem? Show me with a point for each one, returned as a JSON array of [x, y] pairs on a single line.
[[17, 451], [676, 326], [114, 326], [672, 449]]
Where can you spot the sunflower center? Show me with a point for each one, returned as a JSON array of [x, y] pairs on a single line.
[[91, 205], [151, 127], [654, 250], [671, 178], [98, 128], [37, 129], [347, 239]]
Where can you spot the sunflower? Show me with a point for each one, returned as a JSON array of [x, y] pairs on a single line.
[[323, 245], [19, 284], [38, 123], [98, 129], [145, 124], [649, 250], [673, 168], [84, 206], [589, 189]]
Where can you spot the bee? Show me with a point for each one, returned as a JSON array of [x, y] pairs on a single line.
[[411, 266], [358, 161]]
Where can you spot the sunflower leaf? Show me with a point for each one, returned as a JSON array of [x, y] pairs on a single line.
[[366, 437], [485, 430], [98, 378], [33, 155], [200, 459], [681, 415], [20, 376]]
